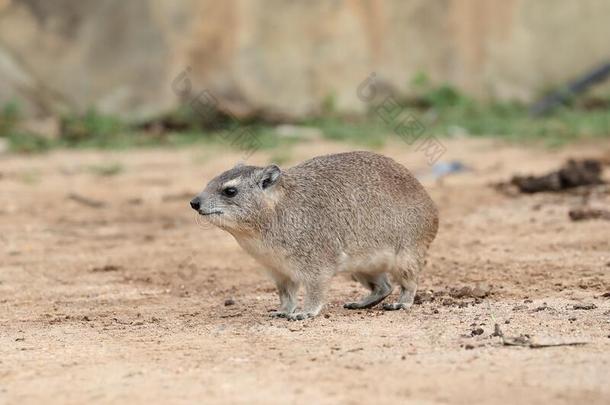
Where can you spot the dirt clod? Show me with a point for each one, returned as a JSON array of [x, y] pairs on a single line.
[[424, 296], [477, 332], [584, 306], [478, 291], [574, 173], [543, 307], [582, 214], [105, 269]]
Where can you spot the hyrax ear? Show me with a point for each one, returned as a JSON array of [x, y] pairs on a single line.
[[269, 176]]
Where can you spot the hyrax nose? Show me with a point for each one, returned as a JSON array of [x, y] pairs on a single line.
[[195, 203]]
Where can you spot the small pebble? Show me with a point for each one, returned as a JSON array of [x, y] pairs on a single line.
[[229, 302], [584, 306], [477, 332]]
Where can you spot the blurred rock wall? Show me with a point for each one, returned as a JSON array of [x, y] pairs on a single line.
[[286, 57]]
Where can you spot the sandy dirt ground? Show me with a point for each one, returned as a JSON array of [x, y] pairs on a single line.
[[123, 299]]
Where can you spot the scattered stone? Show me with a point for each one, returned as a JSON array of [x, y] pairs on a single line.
[[424, 296], [584, 306], [86, 318], [519, 307], [448, 302], [542, 307], [19, 339], [106, 268], [229, 302], [606, 295], [468, 346], [326, 316], [477, 332], [582, 214]]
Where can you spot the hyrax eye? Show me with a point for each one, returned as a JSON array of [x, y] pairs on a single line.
[[229, 192]]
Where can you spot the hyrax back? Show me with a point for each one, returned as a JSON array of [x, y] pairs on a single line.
[[359, 211]]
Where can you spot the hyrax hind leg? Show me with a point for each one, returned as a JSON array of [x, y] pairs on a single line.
[[406, 272], [380, 287]]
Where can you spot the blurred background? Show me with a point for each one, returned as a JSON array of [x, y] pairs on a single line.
[[91, 73]]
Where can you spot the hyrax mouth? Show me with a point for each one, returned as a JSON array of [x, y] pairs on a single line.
[[204, 213]]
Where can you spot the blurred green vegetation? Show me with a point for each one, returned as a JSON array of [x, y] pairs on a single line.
[[19, 140], [106, 169], [441, 109]]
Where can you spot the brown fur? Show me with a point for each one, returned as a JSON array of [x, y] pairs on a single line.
[[359, 211]]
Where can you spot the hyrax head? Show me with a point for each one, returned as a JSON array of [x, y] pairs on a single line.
[[237, 199]]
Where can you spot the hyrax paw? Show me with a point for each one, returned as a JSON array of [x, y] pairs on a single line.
[[299, 316], [352, 305], [278, 314], [395, 306]]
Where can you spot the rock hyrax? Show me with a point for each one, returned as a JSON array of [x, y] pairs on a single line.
[[359, 211]]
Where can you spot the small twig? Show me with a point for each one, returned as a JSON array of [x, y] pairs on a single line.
[[497, 330], [86, 201]]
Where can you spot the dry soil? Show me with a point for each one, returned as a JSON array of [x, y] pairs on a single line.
[[111, 291]]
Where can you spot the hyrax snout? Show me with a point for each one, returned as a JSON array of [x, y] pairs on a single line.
[[359, 212]]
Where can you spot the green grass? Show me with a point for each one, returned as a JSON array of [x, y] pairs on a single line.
[[442, 110], [513, 122]]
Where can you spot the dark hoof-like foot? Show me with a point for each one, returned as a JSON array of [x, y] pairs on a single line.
[[352, 305], [395, 306]]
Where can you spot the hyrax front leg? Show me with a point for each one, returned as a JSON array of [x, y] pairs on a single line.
[[315, 293], [287, 290], [407, 274]]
